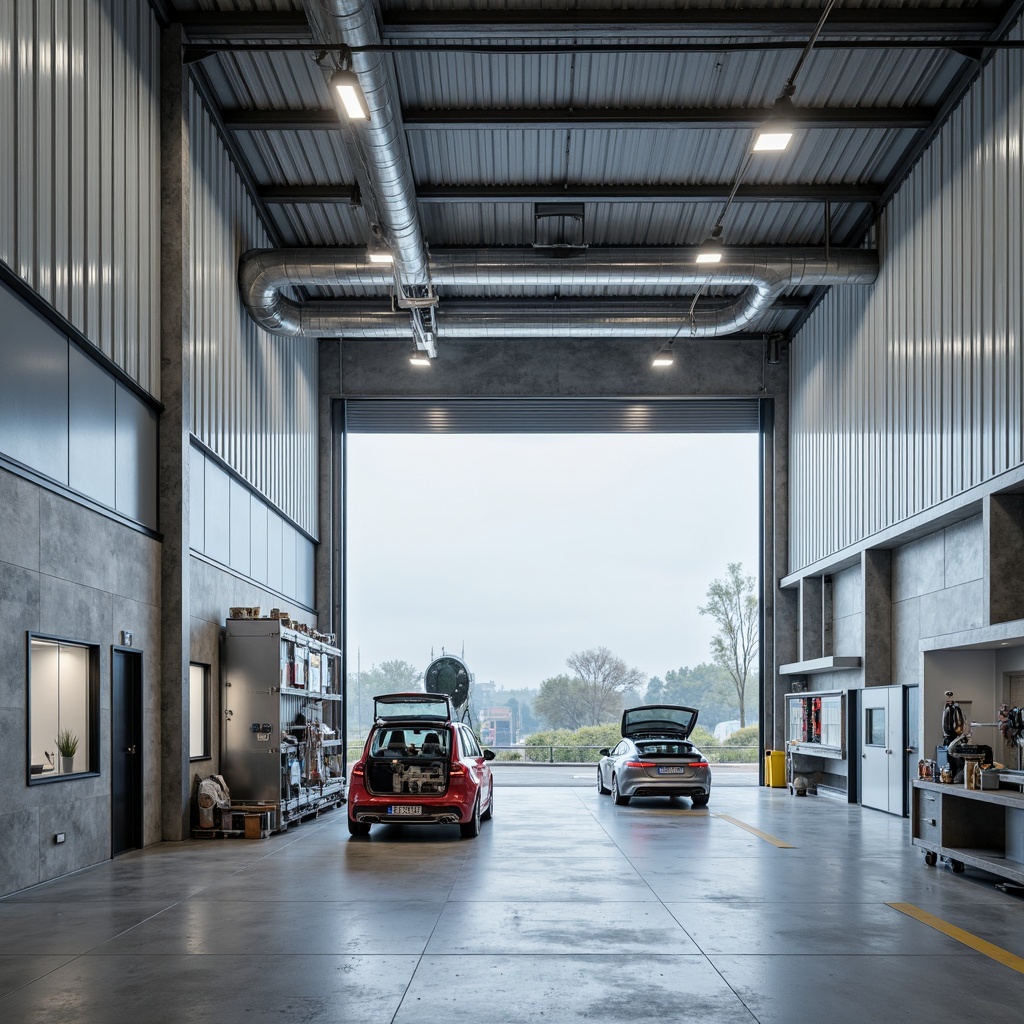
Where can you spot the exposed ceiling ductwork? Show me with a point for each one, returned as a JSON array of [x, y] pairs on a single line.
[[759, 275], [381, 139], [763, 274]]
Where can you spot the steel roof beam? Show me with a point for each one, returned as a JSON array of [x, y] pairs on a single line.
[[201, 26], [278, 195], [796, 193], [562, 120], [667, 118], [916, 23]]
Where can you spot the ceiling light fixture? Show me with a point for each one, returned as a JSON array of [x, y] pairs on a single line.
[[711, 249], [775, 133], [381, 257], [419, 358], [346, 85], [664, 357]]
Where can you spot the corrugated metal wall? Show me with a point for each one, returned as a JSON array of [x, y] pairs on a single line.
[[80, 168], [253, 394], [909, 393]]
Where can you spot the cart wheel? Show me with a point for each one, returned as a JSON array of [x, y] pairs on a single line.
[[957, 866], [930, 858]]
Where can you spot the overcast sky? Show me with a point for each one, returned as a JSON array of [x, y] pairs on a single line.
[[525, 548]]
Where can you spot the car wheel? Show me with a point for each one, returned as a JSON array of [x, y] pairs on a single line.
[[616, 795], [489, 813], [358, 828], [700, 801], [471, 829], [601, 788]]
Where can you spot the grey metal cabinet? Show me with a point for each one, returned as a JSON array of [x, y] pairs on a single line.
[[281, 739]]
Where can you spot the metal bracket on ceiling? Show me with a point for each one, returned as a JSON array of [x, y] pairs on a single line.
[[426, 340]]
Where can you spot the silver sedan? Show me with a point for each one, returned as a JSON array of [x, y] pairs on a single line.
[[655, 758]]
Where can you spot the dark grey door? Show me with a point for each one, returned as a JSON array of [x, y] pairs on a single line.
[[126, 757]]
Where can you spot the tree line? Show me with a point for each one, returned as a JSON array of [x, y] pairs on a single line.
[[598, 684]]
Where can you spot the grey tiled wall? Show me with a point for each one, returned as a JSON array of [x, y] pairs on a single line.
[[70, 572]]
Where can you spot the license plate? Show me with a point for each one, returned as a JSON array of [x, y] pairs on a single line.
[[673, 770], [413, 810]]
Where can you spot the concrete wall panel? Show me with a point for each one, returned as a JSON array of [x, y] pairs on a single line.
[[89, 577], [964, 558]]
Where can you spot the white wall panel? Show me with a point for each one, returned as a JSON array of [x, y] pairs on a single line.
[[80, 169], [909, 393], [254, 394]]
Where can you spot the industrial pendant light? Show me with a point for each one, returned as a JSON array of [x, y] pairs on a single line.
[[776, 131], [346, 85], [711, 248], [664, 357]]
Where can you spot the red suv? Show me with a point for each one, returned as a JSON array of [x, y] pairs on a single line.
[[420, 767]]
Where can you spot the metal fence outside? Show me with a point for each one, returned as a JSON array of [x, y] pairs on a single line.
[[555, 753]]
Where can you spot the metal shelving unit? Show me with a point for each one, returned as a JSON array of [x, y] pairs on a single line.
[[282, 744]]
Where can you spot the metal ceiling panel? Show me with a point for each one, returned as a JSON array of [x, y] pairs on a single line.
[[436, 73], [299, 158]]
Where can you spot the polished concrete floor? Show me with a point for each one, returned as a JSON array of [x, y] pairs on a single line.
[[566, 909]]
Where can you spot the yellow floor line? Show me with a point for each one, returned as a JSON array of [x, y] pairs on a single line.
[[997, 953], [780, 843]]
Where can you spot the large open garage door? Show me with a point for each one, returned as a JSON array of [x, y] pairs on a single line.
[[552, 416], [410, 416]]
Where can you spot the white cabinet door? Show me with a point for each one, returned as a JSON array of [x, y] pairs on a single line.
[[882, 748]]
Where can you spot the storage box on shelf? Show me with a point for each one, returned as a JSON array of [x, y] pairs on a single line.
[[282, 734]]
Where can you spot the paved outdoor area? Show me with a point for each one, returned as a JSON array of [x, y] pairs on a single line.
[[763, 908]]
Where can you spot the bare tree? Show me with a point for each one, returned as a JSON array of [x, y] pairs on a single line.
[[561, 703], [604, 678], [732, 603]]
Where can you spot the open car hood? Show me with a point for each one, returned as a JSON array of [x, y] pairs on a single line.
[[426, 707], [659, 720]]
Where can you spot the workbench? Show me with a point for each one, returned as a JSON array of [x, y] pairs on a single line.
[[980, 827]]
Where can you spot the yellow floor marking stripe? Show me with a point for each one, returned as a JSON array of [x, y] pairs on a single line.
[[997, 953], [781, 844]]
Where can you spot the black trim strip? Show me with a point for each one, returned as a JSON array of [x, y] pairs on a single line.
[[35, 477], [293, 601], [22, 289]]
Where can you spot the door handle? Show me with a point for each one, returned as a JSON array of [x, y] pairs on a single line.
[[130, 750], [864, 755]]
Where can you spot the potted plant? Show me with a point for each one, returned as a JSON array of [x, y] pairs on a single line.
[[67, 747]]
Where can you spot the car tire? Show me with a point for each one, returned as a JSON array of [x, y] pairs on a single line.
[[616, 795], [471, 828], [489, 813], [358, 828], [601, 788], [700, 801]]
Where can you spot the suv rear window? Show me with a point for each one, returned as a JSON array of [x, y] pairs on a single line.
[[664, 748], [430, 706], [403, 741]]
